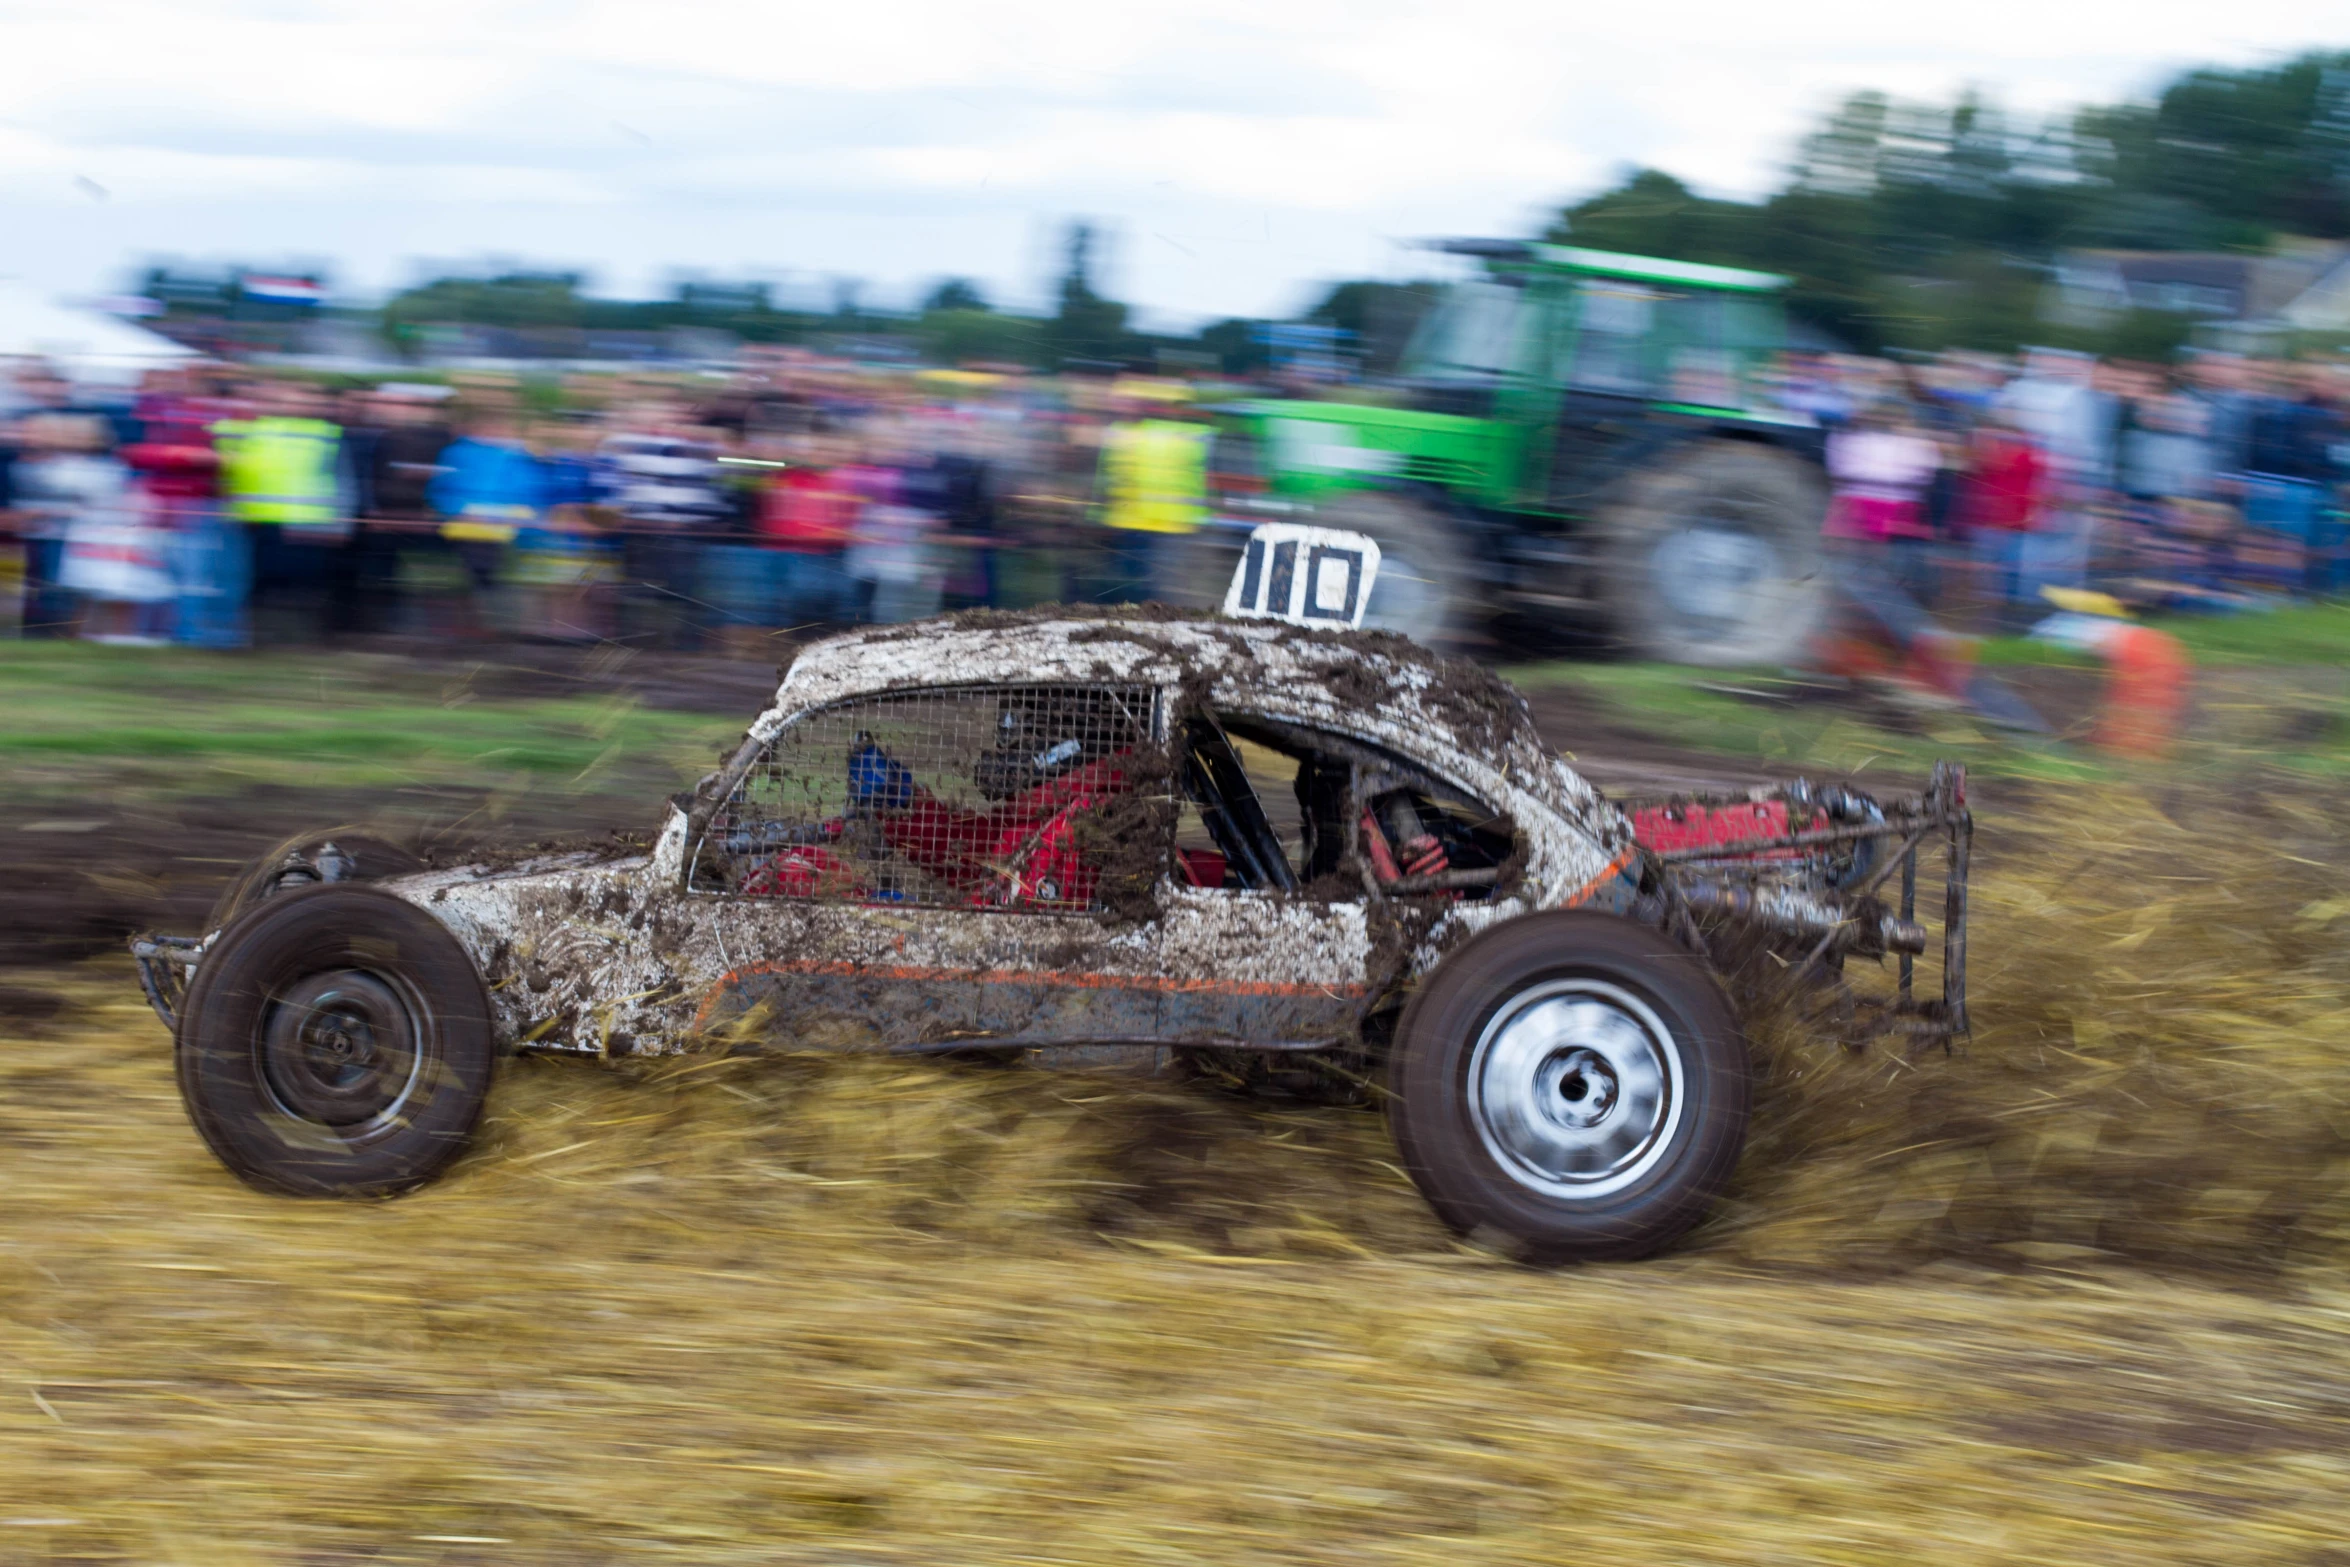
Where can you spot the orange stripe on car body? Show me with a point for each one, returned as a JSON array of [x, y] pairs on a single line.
[[1590, 889]]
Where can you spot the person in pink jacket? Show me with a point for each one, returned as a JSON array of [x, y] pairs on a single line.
[[1882, 467]]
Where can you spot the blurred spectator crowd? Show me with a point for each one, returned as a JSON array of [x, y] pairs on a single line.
[[218, 505], [1979, 480]]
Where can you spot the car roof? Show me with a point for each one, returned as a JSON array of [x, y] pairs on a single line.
[[1376, 684]]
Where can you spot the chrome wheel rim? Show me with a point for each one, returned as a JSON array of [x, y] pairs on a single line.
[[1576, 1088]]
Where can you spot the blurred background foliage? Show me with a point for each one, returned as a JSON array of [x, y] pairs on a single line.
[[1908, 225], [1927, 226]]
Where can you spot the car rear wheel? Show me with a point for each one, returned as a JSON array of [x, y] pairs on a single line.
[[335, 1041], [1712, 556], [1571, 1087]]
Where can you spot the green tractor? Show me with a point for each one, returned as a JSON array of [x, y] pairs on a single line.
[[1579, 445]]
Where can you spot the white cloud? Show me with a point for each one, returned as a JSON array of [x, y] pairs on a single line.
[[1242, 145]]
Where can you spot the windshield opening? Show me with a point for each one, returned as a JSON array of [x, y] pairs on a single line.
[[1684, 346], [1472, 334]]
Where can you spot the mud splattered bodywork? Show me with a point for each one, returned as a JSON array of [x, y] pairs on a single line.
[[849, 876], [656, 951]]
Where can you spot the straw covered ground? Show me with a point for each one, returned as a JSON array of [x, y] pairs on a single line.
[[2076, 1293]]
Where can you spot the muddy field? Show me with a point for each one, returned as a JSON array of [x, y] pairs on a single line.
[[2074, 1293]]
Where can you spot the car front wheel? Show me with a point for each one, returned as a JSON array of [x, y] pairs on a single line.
[[335, 1041], [1571, 1087]]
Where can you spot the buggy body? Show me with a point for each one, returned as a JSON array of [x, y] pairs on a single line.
[[1102, 833]]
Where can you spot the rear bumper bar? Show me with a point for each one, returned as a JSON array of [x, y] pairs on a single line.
[[1718, 880]]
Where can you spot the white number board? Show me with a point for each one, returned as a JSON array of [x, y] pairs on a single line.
[[1306, 576]]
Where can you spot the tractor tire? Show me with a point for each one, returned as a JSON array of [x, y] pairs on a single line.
[[1427, 586], [307, 860], [1570, 1087], [1712, 556], [335, 1042]]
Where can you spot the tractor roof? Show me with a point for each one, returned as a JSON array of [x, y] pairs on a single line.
[[1613, 263], [1655, 269]]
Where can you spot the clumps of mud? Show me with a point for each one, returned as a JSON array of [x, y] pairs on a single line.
[[2159, 1072], [1125, 837], [1478, 706], [1366, 670], [1150, 614], [593, 848]]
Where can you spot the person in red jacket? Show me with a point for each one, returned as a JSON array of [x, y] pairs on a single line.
[[175, 471], [805, 518], [2003, 500]]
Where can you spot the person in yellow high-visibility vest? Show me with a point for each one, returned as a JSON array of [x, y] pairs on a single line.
[[282, 477], [283, 465], [1154, 489]]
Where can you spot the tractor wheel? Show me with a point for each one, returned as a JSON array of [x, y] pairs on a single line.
[[308, 859], [1713, 556], [1570, 1086], [335, 1041], [1427, 585]]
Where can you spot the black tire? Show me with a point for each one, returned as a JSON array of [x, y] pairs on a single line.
[[1427, 587], [308, 859], [1712, 556], [1491, 1084], [336, 1041]]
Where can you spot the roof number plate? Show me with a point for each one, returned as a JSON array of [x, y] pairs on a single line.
[[1306, 576]]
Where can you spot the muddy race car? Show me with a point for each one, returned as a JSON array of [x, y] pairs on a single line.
[[1318, 853]]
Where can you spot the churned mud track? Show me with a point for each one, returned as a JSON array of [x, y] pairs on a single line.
[[743, 1310], [2072, 1293], [81, 876]]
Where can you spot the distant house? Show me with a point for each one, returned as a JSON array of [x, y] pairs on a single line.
[[2302, 285], [2324, 306]]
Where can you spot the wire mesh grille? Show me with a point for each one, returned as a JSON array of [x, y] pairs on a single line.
[[962, 797]]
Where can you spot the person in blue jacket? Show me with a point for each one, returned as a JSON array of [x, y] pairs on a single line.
[[490, 487]]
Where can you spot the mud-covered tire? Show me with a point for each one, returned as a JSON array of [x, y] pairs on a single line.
[[300, 861], [1712, 556], [1427, 587], [335, 1041], [1570, 1086]]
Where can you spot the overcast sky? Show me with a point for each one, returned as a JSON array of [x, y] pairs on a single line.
[[1241, 149]]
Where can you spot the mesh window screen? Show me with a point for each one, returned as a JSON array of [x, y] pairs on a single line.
[[959, 798]]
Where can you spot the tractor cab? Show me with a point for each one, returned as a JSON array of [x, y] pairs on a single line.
[[1577, 443], [1556, 335]]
